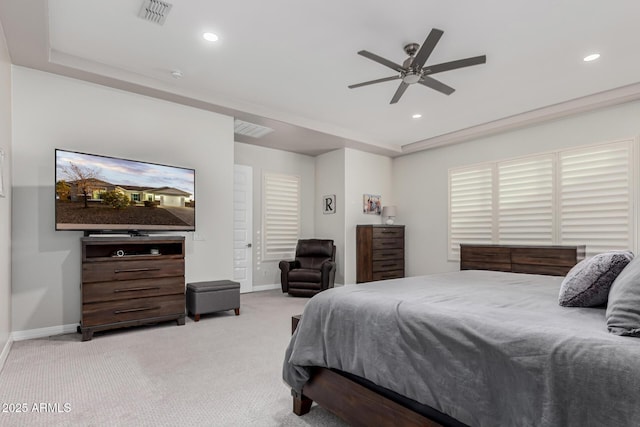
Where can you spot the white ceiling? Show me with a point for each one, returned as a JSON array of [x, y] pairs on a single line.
[[287, 63]]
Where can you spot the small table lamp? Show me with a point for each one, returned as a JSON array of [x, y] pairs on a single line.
[[390, 213]]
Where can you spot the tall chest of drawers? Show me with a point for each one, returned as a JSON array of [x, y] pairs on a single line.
[[379, 252], [131, 281]]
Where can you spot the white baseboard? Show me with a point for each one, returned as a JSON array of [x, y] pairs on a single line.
[[5, 353], [43, 332], [265, 287]]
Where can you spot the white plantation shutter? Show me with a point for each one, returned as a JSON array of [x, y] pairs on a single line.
[[281, 215], [525, 201], [583, 196], [595, 197], [470, 207]]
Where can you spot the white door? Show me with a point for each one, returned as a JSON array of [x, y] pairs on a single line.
[[243, 226]]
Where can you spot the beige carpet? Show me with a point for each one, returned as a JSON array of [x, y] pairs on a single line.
[[221, 371]]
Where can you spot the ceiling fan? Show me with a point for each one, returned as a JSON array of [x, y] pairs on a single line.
[[413, 70]]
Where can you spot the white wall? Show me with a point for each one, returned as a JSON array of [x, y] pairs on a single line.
[[5, 202], [330, 179], [365, 173], [263, 160], [420, 180], [50, 112]]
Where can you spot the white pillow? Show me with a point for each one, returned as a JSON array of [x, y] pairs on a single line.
[[623, 310]]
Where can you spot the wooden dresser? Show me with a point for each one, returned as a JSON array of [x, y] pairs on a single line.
[[129, 281], [379, 252], [549, 260]]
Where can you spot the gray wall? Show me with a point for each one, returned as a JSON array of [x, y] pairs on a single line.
[[420, 180], [349, 174], [365, 173], [263, 160], [5, 203], [330, 179], [50, 112]]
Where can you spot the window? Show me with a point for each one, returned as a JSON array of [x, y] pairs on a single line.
[[470, 207], [525, 201], [578, 196], [281, 215], [596, 197]]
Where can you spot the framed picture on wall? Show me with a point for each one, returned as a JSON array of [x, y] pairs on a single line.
[[371, 204], [329, 204]]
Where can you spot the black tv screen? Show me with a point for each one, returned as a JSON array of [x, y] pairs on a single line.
[[95, 192]]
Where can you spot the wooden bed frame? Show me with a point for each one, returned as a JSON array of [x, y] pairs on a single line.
[[359, 405]]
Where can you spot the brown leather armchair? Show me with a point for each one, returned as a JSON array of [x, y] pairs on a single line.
[[312, 271]]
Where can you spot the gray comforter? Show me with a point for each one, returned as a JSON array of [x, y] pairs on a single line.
[[486, 348]]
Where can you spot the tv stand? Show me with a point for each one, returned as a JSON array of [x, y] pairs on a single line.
[[131, 281]]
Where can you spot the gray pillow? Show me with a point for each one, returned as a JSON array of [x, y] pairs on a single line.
[[587, 284], [623, 309]]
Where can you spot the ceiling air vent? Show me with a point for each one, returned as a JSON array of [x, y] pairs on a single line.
[[250, 129], [155, 11]]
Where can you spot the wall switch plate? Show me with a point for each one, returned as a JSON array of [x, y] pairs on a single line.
[[198, 236]]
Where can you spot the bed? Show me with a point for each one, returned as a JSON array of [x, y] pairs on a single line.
[[474, 347]]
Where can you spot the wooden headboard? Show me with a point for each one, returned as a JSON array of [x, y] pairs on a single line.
[[549, 260]]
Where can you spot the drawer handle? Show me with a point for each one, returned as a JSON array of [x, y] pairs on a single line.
[[388, 265], [131, 310], [134, 270], [148, 288], [388, 232], [389, 276]]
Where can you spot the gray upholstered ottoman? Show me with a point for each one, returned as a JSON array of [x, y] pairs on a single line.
[[209, 297]]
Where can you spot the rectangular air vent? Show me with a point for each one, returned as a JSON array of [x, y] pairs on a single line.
[[155, 11], [250, 129]]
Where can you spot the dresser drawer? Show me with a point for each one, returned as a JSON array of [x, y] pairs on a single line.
[[387, 254], [387, 244], [132, 309], [388, 265], [130, 270], [388, 232], [393, 274], [126, 289]]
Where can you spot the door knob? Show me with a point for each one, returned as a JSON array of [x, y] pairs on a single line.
[[248, 245]]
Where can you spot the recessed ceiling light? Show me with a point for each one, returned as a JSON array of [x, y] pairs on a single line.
[[210, 37], [417, 116], [591, 57]]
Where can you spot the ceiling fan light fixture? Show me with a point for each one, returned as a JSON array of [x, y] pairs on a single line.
[[591, 57], [411, 77]]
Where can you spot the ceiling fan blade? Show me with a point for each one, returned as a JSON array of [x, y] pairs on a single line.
[[381, 60], [371, 82], [426, 48], [436, 85], [460, 63], [403, 86]]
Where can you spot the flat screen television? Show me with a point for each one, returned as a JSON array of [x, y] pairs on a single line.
[[101, 193]]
